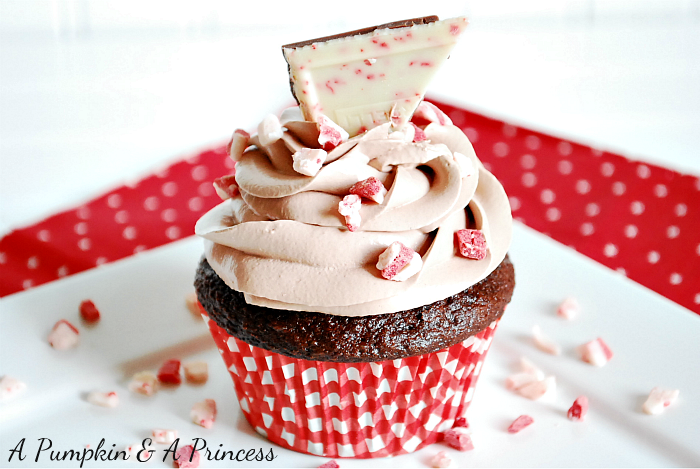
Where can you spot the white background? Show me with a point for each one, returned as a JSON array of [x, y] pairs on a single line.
[[94, 93]]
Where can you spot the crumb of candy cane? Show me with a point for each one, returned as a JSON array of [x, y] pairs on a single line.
[[226, 186], [545, 343], [269, 130], [370, 188], [471, 244], [330, 464], [330, 134], [659, 399], [537, 389], [579, 409], [146, 451], [204, 413], [238, 144], [595, 352], [568, 309], [518, 380], [349, 207], [11, 387], [163, 436], [186, 457], [461, 422], [459, 438], [520, 423], [419, 134], [196, 372], [144, 382], [64, 335], [399, 262], [103, 399], [192, 304], [169, 372], [428, 112], [441, 459], [89, 312], [308, 161]]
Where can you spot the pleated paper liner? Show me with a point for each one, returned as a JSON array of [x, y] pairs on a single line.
[[356, 410]]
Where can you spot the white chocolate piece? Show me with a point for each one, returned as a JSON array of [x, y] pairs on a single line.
[[357, 80], [163, 436], [659, 399], [204, 413], [64, 335], [144, 382], [308, 161], [11, 387], [269, 130], [544, 343], [103, 399]]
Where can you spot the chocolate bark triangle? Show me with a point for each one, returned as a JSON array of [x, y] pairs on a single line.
[[365, 78]]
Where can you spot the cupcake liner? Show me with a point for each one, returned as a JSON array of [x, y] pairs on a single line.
[[357, 410]]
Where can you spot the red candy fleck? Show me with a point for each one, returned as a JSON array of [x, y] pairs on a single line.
[[458, 438], [404, 256], [169, 373], [330, 464], [578, 410], [520, 423], [186, 457], [461, 422], [371, 188], [330, 134], [226, 186], [471, 244], [454, 29], [89, 312], [419, 135]]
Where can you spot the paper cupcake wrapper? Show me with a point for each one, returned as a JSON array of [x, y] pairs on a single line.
[[358, 410]]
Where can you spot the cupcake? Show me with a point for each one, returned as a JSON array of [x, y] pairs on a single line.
[[355, 273]]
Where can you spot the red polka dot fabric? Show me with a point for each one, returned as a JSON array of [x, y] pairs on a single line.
[[639, 219]]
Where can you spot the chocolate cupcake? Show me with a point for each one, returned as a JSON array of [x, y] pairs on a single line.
[[356, 271]]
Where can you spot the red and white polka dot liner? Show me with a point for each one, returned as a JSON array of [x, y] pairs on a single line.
[[353, 410], [638, 219]]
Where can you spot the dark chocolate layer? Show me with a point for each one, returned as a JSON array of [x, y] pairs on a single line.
[[325, 337]]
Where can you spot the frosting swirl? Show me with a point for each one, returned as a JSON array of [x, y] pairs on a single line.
[[283, 243]]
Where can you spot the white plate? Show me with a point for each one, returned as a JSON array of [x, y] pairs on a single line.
[[144, 321]]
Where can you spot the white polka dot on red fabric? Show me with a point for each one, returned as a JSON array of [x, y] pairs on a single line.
[[151, 203], [229, 163], [514, 203], [637, 207], [680, 210], [168, 215], [27, 283], [528, 161], [631, 231], [194, 159], [472, 134], [607, 169], [660, 190], [487, 166], [500, 149], [205, 189], [673, 231], [583, 186], [195, 204], [675, 278], [564, 148], [172, 232], [697, 249], [114, 201], [3, 258], [509, 131], [553, 214], [100, 260], [653, 257], [697, 184], [618, 188], [62, 271], [565, 167], [84, 244], [610, 250], [121, 217], [458, 118], [32, 262], [592, 209], [697, 299], [80, 228], [169, 189], [199, 172], [139, 248], [597, 152], [621, 270], [83, 213], [529, 179], [532, 142], [129, 233], [547, 196], [44, 235], [587, 229], [643, 171]]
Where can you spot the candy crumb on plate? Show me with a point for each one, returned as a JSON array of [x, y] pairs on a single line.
[[64, 335], [659, 399], [89, 312], [520, 423], [579, 409], [169, 373], [461, 422], [441, 459], [11, 387], [186, 456], [568, 309], [103, 399], [163, 436], [196, 372], [459, 438], [204, 413], [192, 304], [596, 352], [144, 382], [544, 343], [330, 464]]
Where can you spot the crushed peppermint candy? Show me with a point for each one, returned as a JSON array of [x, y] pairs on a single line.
[[238, 144], [332, 464], [186, 457], [544, 343], [89, 312], [595, 352], [64, 335], [163, 436], [659, 399], [330, 134], [428, 112], [520, 423], [169, 372], [471, 244], [579, 409], [459, 438], [308, 161], [399, 262], [226, 187], [196, 372], [538, 389], [568, 309], [370, 188], [269, 130], [461, 422], [140, 452], [349, 207], [418, 134], [144, 382], [11, 387], [103, 399], [530, 382], [441, 459], [204, 413]]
